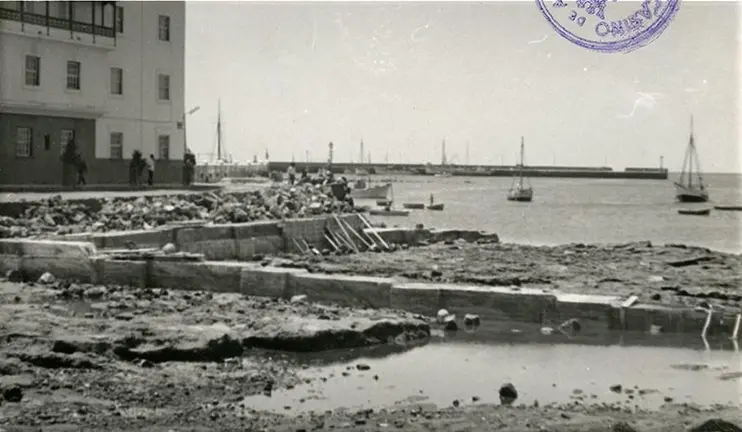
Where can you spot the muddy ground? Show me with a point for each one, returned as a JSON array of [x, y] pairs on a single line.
[[79, 357], [671, 273]]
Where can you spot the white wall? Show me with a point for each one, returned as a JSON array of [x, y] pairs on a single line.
[[138, 114]]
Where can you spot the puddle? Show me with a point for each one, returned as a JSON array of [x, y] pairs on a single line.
[[472, 365]]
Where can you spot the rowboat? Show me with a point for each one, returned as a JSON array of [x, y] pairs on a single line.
[[413, 206], [695, 212], [438, 207], [728, 208], [520, 190], [390, 212]]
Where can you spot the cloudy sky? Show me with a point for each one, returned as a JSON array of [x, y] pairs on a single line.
[[404, 76]]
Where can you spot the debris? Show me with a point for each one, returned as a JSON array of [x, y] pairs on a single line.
[[47, 278], [508, 394]]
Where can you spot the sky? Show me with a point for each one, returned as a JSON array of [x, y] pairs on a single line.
[[403, 77]]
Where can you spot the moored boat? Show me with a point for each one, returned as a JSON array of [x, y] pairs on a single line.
[[413, 206], [438, 207], [362, 190], [728, 208], [685, 189], [520, 190], [388, 212], [695, 212]]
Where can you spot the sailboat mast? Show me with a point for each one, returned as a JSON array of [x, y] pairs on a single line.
[[521, 161], [692, 152], [219, 131]]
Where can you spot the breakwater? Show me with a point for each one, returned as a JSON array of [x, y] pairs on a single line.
[[219, 260], [483, 170]]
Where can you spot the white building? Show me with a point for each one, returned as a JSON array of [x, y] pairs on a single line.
[[108, 74]]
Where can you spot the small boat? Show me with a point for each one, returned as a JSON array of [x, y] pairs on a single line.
[[438, 206], [695, 212], [413, 206], [728, 208], [362, 190], [383, 202], [443, 174], [518, 190], [388, 212], [685, 189]]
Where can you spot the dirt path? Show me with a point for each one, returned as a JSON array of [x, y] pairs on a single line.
[[655, 273]]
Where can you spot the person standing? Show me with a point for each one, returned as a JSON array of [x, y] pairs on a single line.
[[151, 169], [292, 173], [82, 169]]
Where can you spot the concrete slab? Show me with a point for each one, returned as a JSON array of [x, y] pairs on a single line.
[[248, 248], [119, 272], [498, 303], [415, 297], [47, 248], [676, 320], [142, 238], [215, 242], [207, 276], [595, 308], [257, 229], [73, 268], [260, 281], [344, 290]]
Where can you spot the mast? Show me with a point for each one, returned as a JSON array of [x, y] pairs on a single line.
[[521, 161], [692, 150], [219, 131], [443, 153], [360, 159]]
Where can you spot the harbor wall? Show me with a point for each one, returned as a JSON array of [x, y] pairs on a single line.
[[82, 261]]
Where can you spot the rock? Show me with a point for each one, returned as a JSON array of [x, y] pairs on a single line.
[[716, 425], [47, 278], [169, 248], [96, 292], [301, 298], [13, 394], [16, 276], [363, 367], [616, 388], [622, 427], [435, 272], [471, 320], [185, 344], [508, 394], [449, 323], [571, 326], [442, 314]]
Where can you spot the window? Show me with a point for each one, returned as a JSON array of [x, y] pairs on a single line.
[[23, 142], [163, 87], [163, 146], [117, 145], [33, 71], [73, 75], [164, 28], [119, 19], [67, 136], [117, 81]]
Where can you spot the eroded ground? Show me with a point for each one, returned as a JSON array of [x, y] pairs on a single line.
[[77, 357], [659, 273]]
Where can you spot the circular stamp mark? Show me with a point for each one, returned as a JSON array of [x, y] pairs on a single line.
[[609, 25]]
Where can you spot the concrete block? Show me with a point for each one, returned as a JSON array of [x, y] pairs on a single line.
[[62, 267], [344, 290], [9, 262], [498, 303], [215, 242], [206, 276], [595, 308], [123, 272], [421, 298], [141, 238], [247, 248], [678, 319], [312, 230], [257, 229], [262, 281], [47, 248]]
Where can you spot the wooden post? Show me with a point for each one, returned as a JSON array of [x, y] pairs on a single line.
[[92, 7], [47, 18]]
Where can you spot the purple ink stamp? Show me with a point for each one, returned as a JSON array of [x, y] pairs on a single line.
[[609, 25]]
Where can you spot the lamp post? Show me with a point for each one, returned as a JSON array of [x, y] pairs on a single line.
[[185, 130]]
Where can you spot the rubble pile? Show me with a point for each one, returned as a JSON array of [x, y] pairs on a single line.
[[58, 216]]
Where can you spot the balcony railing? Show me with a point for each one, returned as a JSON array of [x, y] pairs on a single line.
[[60, 23]]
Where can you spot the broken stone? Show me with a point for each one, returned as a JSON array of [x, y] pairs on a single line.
[[169, 248], [508, 394], [301, 298], [442, 314], [471, 320], [16, 276], [716, 425], [47, 278], [13, 394], [449, 323]]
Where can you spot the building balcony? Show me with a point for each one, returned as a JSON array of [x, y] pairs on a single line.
[[18, 12]]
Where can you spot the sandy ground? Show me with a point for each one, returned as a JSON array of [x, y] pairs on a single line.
[[674, 274], [76, 357]]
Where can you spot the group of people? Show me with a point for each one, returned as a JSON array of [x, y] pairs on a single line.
[[325, 177]]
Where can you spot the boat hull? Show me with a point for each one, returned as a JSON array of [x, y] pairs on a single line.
[[373, 192], [437, 207], [690, 195], [692, 212], [414, 206], [382, 212], [521, 195]]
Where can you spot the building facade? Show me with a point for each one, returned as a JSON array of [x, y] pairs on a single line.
[[109, 75]]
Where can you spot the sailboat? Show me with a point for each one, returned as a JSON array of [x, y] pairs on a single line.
[[518, 191], [685, 189]]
